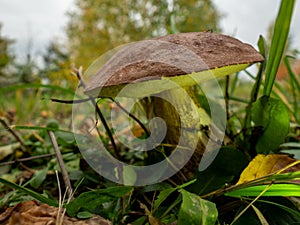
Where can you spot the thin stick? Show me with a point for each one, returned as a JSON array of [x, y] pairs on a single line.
[[227, 98], [60, 202], [78, 73], [5, 124], [78, 101], [27, 159], [109, 133], [60, 162], [132, 116]]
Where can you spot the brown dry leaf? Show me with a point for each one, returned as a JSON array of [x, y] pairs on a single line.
[[263, 165], [151, 218], [30, 212]]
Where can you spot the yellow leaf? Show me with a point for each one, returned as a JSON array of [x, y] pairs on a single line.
[[8, 150], [263, 165]]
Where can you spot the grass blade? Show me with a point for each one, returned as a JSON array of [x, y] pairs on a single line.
[[33, 194], [260, 216], [293, 212], [273, 190], [278, 44]]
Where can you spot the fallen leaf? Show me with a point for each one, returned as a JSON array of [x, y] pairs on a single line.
[[263, 165], [8, 149], [30, 212], [151, 218]]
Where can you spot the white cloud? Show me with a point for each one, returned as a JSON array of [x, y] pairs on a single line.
[[33, 21], [247, 20]]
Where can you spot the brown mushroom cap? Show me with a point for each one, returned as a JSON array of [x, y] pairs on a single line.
[[147, 65]]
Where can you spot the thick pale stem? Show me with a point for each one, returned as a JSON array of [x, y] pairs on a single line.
[[184, 119]]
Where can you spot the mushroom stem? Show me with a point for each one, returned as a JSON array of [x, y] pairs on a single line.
[[183, 117]]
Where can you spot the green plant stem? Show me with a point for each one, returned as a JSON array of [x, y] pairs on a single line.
[[295, 88], [291, 73], [254, 92]]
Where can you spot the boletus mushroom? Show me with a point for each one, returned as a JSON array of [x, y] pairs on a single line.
[[166, 68]]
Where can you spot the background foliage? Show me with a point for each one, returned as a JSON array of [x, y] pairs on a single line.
[[98, 26]]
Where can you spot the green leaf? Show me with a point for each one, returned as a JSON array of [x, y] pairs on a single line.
[[129, 175], [279, 178], [84, 215], [38, 178], [273, 190], [262, 46], [164, 194], [294, 152], [272, 115], [228, 163], [33, 194], [195, 211], [277, 211], [291, 211], [278, 44], [156, 187], [93, 199]]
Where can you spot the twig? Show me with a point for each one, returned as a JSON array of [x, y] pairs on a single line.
[[61, 163], [132, 116], [227, 98], [60, 202], [78, 101], [78, 73], [254, 95], [27, 159], [5, 124]]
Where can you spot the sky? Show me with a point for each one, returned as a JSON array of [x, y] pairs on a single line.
[[33, 23]]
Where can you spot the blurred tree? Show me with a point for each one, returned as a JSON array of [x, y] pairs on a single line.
[[6, 58], [57, 66], [27, 71], [96, 26], [12, 71]]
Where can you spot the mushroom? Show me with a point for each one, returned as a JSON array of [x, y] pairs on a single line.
[[166, 68]]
